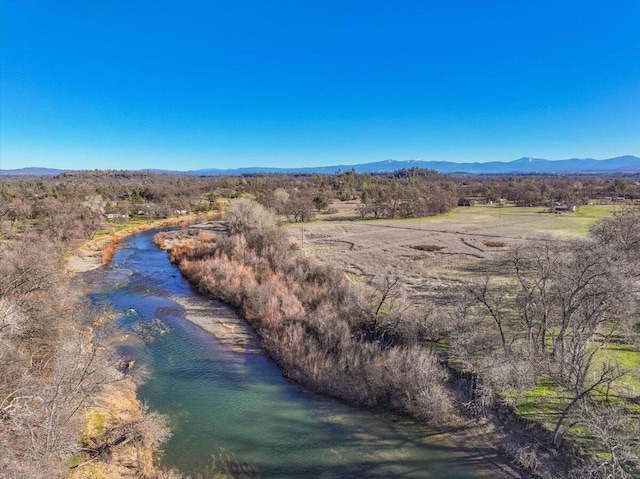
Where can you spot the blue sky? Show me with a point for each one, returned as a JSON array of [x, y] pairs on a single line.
[[130, 84]]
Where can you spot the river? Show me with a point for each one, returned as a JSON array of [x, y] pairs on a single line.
[[231, 408]]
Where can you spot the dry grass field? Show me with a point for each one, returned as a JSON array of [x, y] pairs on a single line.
[[458, 240]]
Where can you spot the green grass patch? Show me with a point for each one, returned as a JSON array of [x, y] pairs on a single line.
[[101, 234], [532, 218], [439, 345], [545, 401], [95, 423], [355, 278], [75, 460], [564, 225], [594, 212], [536, 218], [542, 403], [628, 358], [434, 218]]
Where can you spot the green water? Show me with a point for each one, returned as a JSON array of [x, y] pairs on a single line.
[[233, 411]]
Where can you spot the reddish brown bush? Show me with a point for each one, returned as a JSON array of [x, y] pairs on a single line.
[[160, 238], [108, 250]]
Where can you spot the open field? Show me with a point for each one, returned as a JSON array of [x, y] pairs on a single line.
[[371, 248]]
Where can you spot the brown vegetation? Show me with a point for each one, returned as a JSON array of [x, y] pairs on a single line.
[[494, 244], [428, 247], [556, 306], [108, 250]]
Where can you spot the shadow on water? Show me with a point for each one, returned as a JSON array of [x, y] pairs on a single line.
[[235, 413]]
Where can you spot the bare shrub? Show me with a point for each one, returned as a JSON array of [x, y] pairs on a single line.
[[618, 440], [41, 417], [525, 455], [418, 384], [160, 238], [153, 429], [244, 215], [13, 322]]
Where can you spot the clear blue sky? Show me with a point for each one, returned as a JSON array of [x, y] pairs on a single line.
[[201, 84]]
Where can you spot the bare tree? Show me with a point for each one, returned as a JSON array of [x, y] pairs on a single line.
[[561, 305], [620, 233], [41, 415], [300, 206], [244, 215], [495, 309], [619, 439]]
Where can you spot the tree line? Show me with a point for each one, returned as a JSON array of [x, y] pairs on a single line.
[[75, 205]]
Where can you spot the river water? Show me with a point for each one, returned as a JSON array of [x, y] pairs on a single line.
[[233, 410]]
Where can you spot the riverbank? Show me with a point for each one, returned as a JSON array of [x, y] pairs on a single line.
[[116, 407], [90, 255], [466, 438], [240, 405]]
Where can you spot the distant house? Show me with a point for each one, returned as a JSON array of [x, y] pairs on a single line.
[[472, 200], [117, 216], [560, 208]]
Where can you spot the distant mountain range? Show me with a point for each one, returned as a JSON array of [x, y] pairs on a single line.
[[621, 164], [32, 171]]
